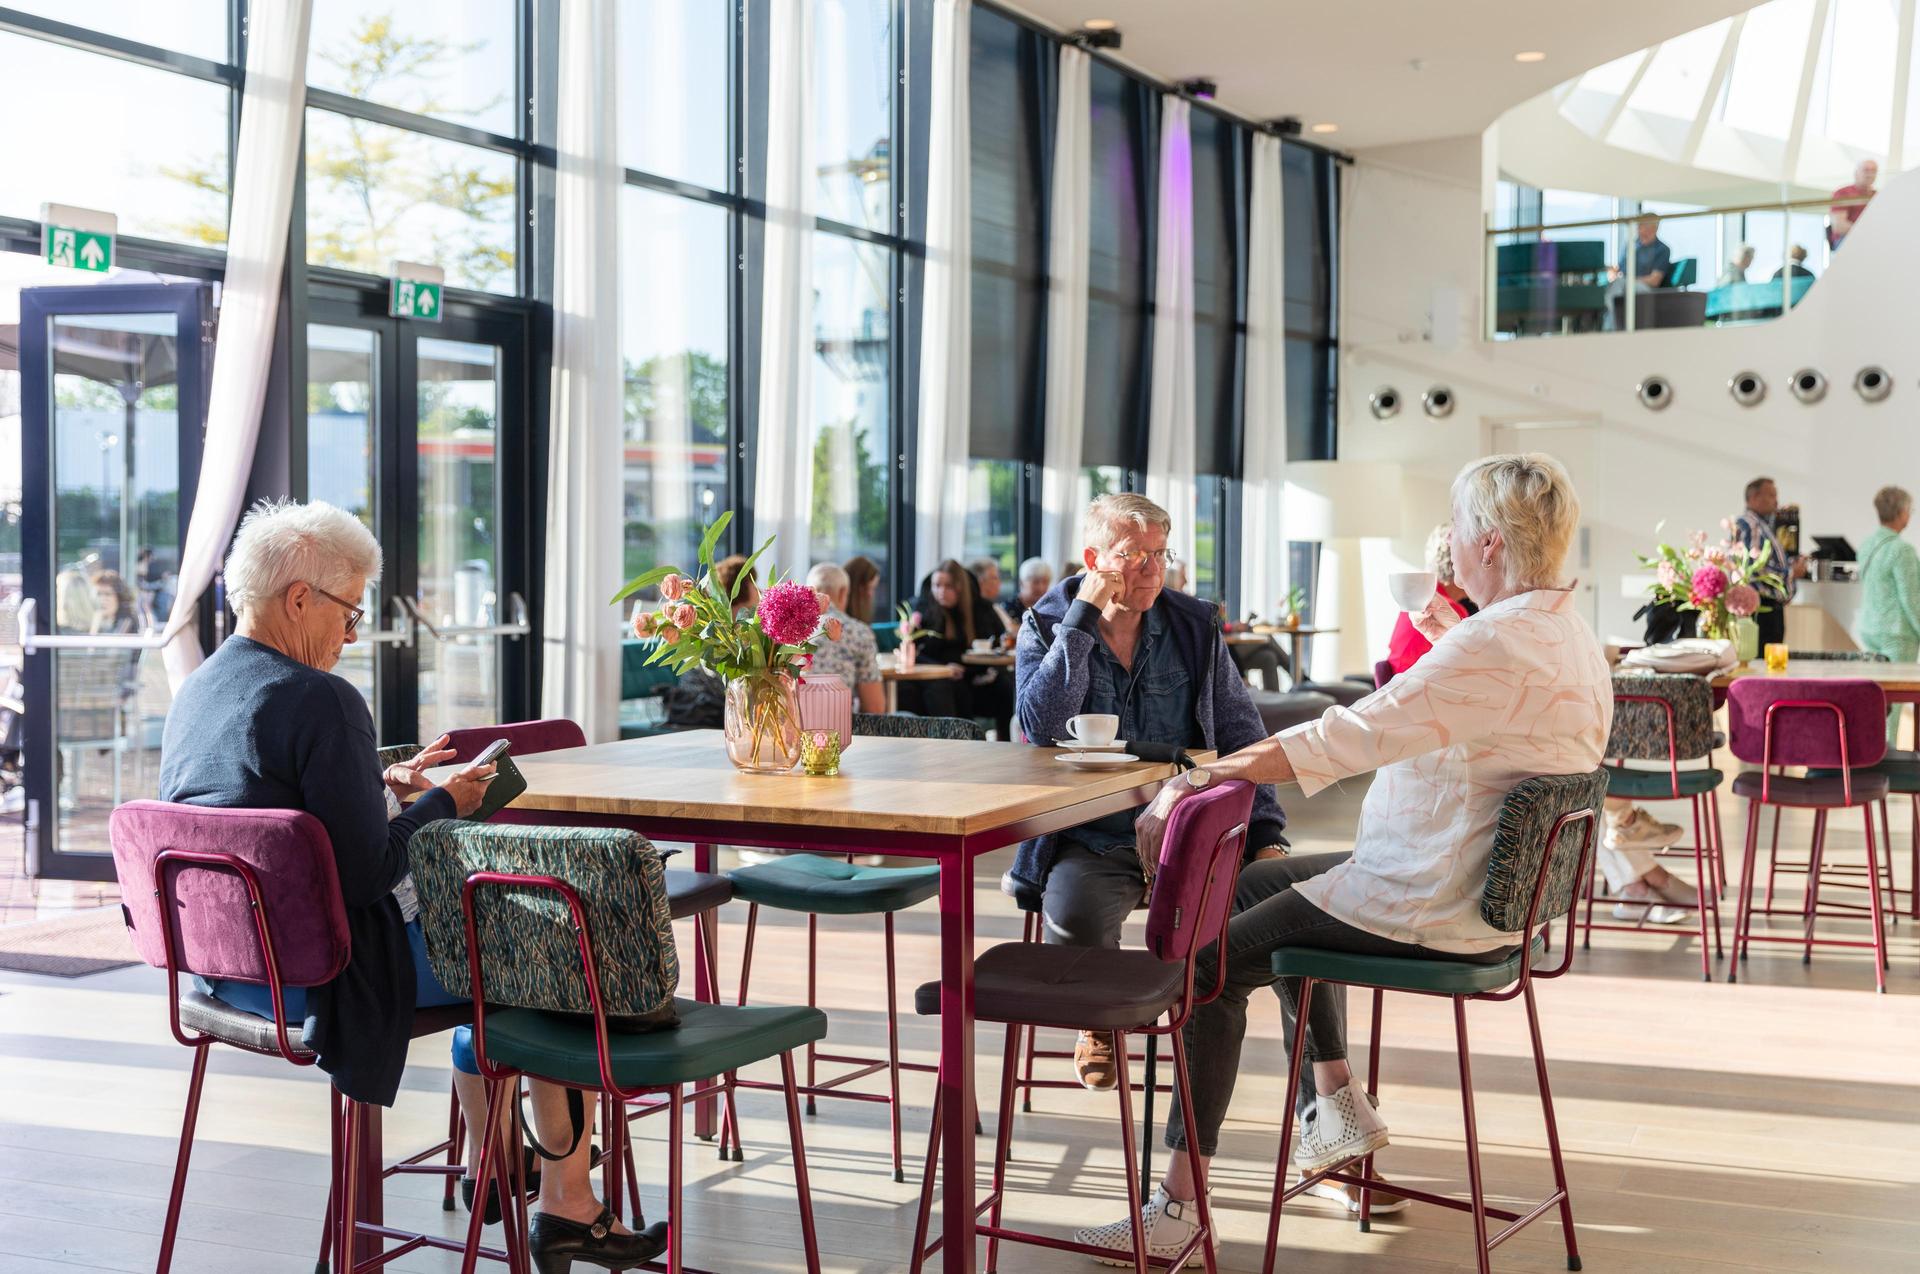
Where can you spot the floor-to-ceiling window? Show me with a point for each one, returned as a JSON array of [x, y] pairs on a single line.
[[1221, 152]]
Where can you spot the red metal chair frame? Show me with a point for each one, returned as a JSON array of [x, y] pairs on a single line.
[[1228, 849], [1743, 935], [341, 1227], [503, 1082], [1706, 854], [1476, 1203]]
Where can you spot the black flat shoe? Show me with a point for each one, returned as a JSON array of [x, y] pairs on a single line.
[[556, 1243], [532, 1170]]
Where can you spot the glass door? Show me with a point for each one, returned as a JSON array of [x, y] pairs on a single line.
[[408, 427], [113, 393]]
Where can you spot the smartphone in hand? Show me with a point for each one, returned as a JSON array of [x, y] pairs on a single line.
[[490, 754]]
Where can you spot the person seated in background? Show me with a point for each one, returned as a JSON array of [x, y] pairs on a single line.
[[1407, 644], [114, 608], [264, 724], [1842, 217], [1652, 258], [863, 582], [1115, 640], [698, 700], [951, 609], [1520, 689], [1736, 271], [1035, 578], [986, 573], [1796, 264], [852, 656]]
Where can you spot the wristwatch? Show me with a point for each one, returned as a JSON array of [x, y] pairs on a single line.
[[1197, 778]]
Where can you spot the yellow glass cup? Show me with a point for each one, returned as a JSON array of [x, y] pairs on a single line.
[[1776, 653]]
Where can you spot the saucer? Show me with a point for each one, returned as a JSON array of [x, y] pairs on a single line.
[[1118, 745], [1098, 760]]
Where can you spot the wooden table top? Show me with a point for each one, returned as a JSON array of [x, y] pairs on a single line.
[[932, 786], [987, 659], [919, 672], [1893, 678]]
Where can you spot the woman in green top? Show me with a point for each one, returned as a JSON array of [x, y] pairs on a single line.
[[1890, 589]]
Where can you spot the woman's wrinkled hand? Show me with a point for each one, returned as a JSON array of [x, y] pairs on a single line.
[[469, 787], [409, 777]]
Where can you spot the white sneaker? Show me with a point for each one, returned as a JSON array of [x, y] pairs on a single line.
[[1652, 826], [1348, 1197], [1169, 1225], [1632, 912], [1629, 831], [1341, 1126]]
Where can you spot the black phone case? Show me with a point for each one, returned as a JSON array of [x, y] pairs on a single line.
[[507, 783]]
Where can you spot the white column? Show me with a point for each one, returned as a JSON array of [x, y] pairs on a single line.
[[946, 323], [1171, 403], [1263, 542], [1067, 237], [581, 630]]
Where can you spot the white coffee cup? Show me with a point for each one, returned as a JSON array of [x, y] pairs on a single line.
[[983, 644], [1412, 590], [1095, 729]]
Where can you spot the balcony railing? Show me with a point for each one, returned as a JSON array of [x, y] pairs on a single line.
[[1566, 277]]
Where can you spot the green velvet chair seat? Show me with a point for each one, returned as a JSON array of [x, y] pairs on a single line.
[[711, 1040], [1654, 785], [1395, 973], [833, 886]]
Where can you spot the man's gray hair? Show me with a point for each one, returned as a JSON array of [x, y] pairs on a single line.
[[980, 565], [828, 577], [1530, 500], [1111, 516], [282, 543], [1035, 568]]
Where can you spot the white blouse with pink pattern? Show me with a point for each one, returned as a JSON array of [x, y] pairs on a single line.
[[1520, 689]]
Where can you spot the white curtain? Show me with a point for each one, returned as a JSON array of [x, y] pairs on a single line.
[[946, 324], [272, 109], [585, 516], [783, 468], [1171, 402], [1263, 546], [1067, 236]]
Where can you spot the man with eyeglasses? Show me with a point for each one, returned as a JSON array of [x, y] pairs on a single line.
[[1117, 640]]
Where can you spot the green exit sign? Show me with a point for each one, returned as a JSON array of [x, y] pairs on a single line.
[[77, 238], [414, 291]]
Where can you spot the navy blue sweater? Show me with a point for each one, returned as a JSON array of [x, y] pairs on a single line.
[[255, 729]]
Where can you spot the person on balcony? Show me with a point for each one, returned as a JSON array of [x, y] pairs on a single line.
[[1736, 271], [1652, 258], [1796, 264], [1842, 217]]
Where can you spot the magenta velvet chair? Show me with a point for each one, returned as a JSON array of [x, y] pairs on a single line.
[[1836, 725], [1149, 992], [252, 896]]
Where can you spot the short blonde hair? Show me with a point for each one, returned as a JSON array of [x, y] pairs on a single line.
[[1111, 516], [1890, 503], [1440, 552], [281, 543], [1529, 499]]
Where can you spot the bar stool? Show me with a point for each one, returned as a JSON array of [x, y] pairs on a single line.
[[819, 885], [1027, 985], [555, 893], [261, 904], [1541, 848], [1666, 717], [1828, 725]]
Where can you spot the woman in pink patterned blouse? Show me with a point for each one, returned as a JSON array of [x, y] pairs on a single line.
[[1520, 689]]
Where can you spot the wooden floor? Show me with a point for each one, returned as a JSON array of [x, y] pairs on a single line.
[[1769, 1125]]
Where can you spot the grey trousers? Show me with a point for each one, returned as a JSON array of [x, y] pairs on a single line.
[[1088, 896], [1268, 916]]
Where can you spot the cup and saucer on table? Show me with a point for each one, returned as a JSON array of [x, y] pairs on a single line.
[[1090, 741]]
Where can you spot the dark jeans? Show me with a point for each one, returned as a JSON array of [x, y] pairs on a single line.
[[1269, 915]]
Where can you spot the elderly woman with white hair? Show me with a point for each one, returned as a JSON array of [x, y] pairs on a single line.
[[1519, 689], [853, 656], [264, 724]]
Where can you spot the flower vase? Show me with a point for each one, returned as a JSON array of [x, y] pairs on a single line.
[[907, 655], [762, 724], [1746, 640]]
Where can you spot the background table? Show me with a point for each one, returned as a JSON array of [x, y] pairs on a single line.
[[1901, 682], [987, 659], [914, 798], [892, 677]]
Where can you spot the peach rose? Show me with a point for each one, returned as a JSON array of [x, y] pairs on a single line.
[[674, 587], [668, 634], [643, 623], [683, 616]]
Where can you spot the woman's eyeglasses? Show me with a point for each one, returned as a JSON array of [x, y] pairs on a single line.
[[354, 613]]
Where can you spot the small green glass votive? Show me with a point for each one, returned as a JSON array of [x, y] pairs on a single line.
[[820, 753]]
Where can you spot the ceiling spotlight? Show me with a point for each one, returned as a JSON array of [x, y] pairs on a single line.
[[1198, 87], [1286, 125], [1099, 33], [1532, 56], [1326, 128]]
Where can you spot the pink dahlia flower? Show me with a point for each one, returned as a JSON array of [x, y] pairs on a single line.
[[1709, 582], [1743, 600], [789, 612]]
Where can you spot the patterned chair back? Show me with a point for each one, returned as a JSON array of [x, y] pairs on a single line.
[[210, 891], [531, 956], [1199, 863], [896, 725], [1641, 728], [1819, 722], [1522, 855], [1844, 656]]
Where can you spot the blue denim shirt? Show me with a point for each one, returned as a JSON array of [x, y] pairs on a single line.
[[1154, 701]]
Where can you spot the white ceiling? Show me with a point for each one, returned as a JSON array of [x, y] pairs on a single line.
[[1349, 62]]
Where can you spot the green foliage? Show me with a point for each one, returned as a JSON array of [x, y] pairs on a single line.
[[1296, 600], [869, 483], [691, 380]]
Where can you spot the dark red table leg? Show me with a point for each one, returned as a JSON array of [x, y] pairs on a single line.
[[703, 976], [369, 1186], [956, 1062]]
